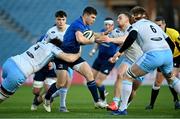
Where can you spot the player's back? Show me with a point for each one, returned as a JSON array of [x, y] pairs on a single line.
[[34, 58], [150, 36]]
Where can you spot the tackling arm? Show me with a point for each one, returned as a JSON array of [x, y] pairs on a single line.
[[68, 57]]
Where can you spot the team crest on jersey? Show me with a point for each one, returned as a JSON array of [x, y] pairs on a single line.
[[53, 32], [106, 71], [117, 31], [60, 66]]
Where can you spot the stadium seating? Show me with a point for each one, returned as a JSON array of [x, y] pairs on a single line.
[[36, 17]]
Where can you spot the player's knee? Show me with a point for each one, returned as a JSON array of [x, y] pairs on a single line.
[[98, 82], [157, 83], [38, 84], [168, 75], [129, 74]]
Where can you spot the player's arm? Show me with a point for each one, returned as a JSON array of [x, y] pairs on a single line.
[[118, 40], [128, 42], [83, 40], [68, 57], [100, 37]]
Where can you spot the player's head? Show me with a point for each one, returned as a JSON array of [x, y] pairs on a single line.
[[60, 19], [108, 24], [160, 21], [55, 41], [138, 13], [89, 15], [124, 19]]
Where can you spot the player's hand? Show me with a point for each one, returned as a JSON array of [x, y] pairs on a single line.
[[101, 39], [115, 57]]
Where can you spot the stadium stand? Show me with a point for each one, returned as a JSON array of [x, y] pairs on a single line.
[[34, 17]]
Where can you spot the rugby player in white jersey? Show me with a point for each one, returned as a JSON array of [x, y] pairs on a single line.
[[130, 56], [47, 75], [17, 68], [156, 51]]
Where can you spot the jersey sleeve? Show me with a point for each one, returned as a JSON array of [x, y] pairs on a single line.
[[80, 27], [56, 50], [129, 40]]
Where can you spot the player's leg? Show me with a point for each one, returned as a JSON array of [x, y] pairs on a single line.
[[136, 84], [104, 70], [38, 84], [118, 84], [13, 79], [61, 80], [155, 89], [84, 69], [167, 70], [138, 69], [99, 77], [101, 87], [176, 70], [64, 90], [61, 73]]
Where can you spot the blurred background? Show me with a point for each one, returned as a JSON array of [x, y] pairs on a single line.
[[22, 22]]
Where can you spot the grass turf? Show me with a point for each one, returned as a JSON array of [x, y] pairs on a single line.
[[80, 105]]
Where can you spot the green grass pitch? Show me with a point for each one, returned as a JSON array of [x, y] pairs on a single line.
[[80, 105]]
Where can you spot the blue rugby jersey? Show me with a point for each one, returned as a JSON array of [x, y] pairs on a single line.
[[70, 44]]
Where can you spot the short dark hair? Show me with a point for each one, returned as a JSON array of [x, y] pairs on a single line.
[[60, 13], [139, 10], [160, 18], [89, 10], [57, 42], [126, 13], [108, 18]]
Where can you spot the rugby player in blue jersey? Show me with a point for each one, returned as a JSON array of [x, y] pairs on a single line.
[[73, 39]]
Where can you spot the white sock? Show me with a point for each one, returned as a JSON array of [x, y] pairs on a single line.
[[126, 92], [62, 94], [116, 100], [56, 94], [176, 85]]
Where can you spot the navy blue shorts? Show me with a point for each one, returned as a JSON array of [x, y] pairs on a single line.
[[44, 73], [103, 65], [63, 65]]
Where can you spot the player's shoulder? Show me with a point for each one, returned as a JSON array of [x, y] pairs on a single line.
[[53, 29]]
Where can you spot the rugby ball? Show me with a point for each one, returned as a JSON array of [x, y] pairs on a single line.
[[88, 34]]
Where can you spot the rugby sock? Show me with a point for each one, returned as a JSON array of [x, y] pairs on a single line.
[[93, 89], [126, 92], [175, 96], [56, 94], [50, 92], [101, 91], [154, 93], [116, 100], [63, 93], [176, 85]]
